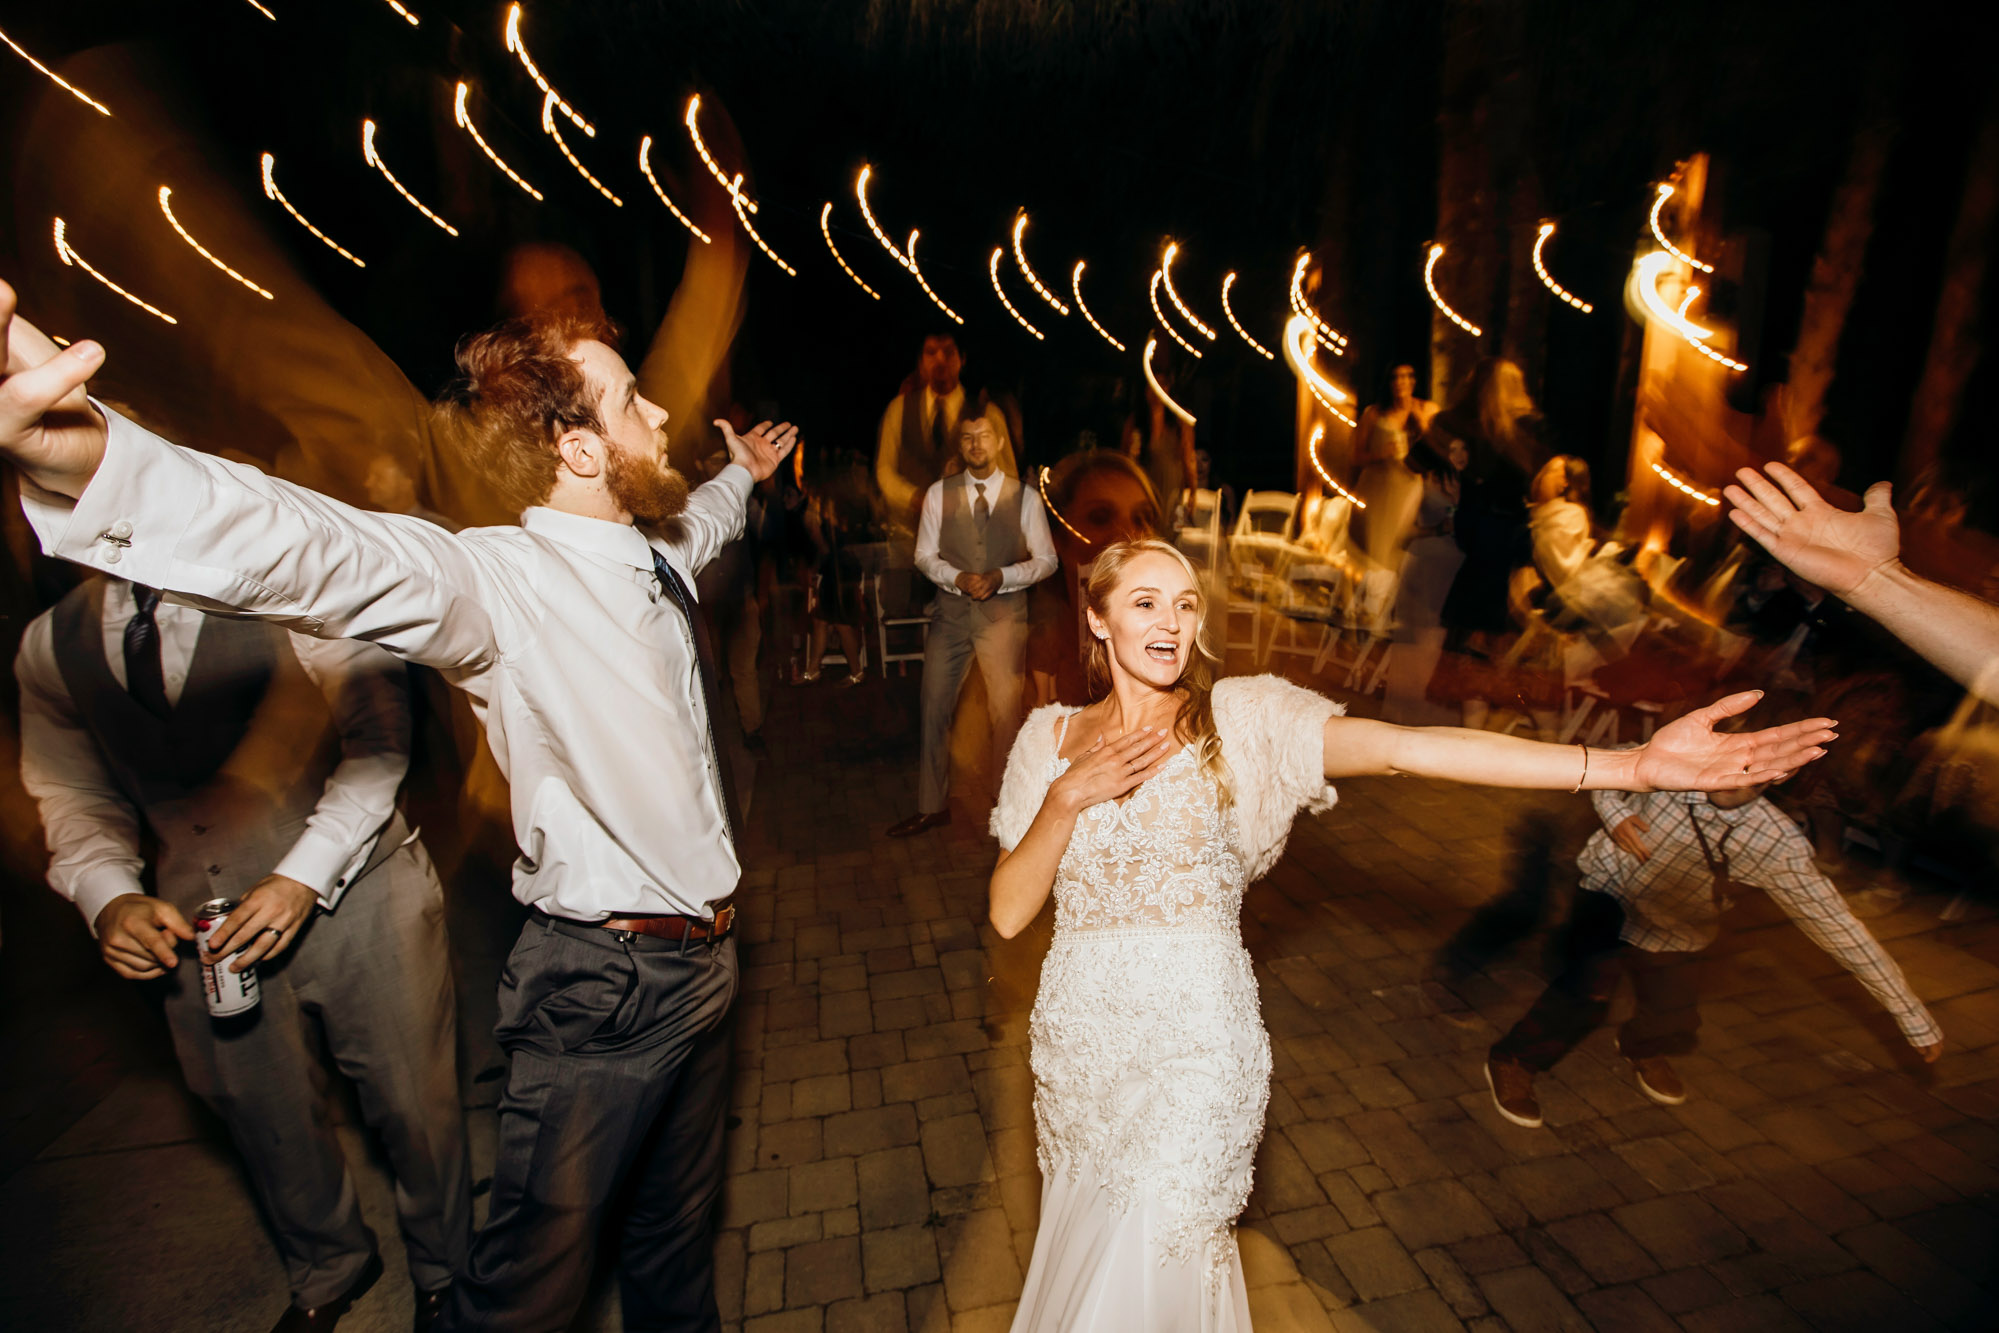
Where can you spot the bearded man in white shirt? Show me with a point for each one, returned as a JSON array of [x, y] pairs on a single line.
[[982, 538], [577, 639]]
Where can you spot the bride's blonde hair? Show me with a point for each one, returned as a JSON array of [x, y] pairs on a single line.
[[1195, 722]]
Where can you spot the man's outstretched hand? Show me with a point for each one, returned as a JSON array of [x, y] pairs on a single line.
[[763, 448], [48, 429], [1839, 551]]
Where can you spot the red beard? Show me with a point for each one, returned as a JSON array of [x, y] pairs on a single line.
[[650, 492]]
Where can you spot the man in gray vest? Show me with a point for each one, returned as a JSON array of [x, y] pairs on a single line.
[[264, 767], [983, 540], [919, 430]]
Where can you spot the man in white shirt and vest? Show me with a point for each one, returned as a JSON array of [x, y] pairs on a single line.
[[577, 639], [263, 767], [919, 430], [982, 538]]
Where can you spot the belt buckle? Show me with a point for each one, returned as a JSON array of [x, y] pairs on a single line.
[[725, 921], [623, 936]]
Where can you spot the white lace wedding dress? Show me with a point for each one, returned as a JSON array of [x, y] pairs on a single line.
[[1151, 1064]]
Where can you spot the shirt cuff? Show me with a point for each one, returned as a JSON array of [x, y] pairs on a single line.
[[130, 518], [319, 863], [94, 890], [1919, 1026]]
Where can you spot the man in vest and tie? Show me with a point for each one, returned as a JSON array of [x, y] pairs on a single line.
[[919, 430], [982, 538], [263, 767]]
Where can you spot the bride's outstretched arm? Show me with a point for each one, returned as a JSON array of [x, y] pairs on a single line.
[[1104, 772], [1685, 755]]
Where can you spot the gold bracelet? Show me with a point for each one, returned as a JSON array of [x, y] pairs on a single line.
[[1579, 781]]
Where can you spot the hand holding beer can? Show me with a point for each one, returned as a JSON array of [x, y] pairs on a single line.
[[229, 992]]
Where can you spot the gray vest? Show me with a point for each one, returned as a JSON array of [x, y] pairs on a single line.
[[959, 539], [225, 783], [922, 460]]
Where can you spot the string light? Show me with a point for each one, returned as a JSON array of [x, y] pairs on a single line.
[[375, 161], [277, 196], [1333, 340], [59, 80], [69, 256], [1644, 289], [1298, 351], [520, 48], [918, 274], [1312, 449], [1166, 273], [1236, 324], [261, 10], [1430, 281], [826, 230], [701, 147], [1665, 193], [200, 249], [1685, 489], [736, 198], [992, 267], [548, 103], [1049, 505], [411, 18], [867, 215], [464, 119], [1076, 286], [1541, 271], [1027, 270], [1151, 344], [1693, 294], [645, 165], [1152, 295]]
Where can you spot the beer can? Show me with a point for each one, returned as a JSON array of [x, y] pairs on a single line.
[[228, 992]]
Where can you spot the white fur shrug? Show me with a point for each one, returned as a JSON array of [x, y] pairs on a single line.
[[1273, 739]]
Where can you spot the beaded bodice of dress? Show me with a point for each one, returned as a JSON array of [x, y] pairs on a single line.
[[1165, 857]]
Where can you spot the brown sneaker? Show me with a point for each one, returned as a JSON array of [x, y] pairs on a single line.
[[1512, 1085], [1657, 1080]]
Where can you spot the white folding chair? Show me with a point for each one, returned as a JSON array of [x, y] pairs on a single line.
[[1314, 595], [1272, 513]]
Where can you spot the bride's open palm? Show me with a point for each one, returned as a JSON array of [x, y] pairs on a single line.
[[1688, 754]]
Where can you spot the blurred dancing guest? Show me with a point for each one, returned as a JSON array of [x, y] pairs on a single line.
[[919, 430], [614, 1004], [983, 540], [1387, 432], [1146, 814], [1163, 444], [1427, 572], [1098, 496], [264, 767]]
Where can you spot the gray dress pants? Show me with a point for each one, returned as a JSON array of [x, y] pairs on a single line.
[[371, 979], [994, 630], [618, 1083]]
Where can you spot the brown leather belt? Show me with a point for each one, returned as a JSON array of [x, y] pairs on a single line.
[[676, 927]]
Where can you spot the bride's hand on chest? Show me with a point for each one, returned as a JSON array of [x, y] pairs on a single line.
[[1110, 770]]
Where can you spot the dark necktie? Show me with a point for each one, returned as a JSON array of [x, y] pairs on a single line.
[[145, 679], [982, 508], [938, 431], [697, 627], [1716, 856]]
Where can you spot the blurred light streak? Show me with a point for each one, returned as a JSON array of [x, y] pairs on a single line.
[[826, 230], [261, 10], [645, 165], [867, 215], [1152, 295], [1312, 449], [921, 282], [1685, 489], [69, 256], [165, 193], [277, 196], [1436, 299], [1693, 294], [464, 119], [1076, 286], [1335, 341], [1665, 193], [992, 267], [736, 197], [1166, 273], [375, 161], [1145, 362], [1049, 505], [1541, 271], [1236, 324], [1298, 351], [520, 48], [701, 147], [1643, 290], [411, 18], [1027, 270], [548, 104], [58, 79]]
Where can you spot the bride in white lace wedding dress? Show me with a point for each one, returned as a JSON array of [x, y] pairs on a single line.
[[1147, 814]]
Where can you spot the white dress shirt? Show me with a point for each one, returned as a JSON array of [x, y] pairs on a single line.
[[578, 663], [93, 828], [899, 495], [1040, 562]]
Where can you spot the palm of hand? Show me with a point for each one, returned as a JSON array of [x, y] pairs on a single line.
[[1836, 549], [762, 449], [1688, 755]]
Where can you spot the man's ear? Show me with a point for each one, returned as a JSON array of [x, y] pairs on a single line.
[[582, 452]]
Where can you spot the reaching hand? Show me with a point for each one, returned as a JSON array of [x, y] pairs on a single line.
[[48, 428], [136, 935], [264, 923], [1690, 755], [762, 449], [1837, 550], [1629, 834], [1109, 771]]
